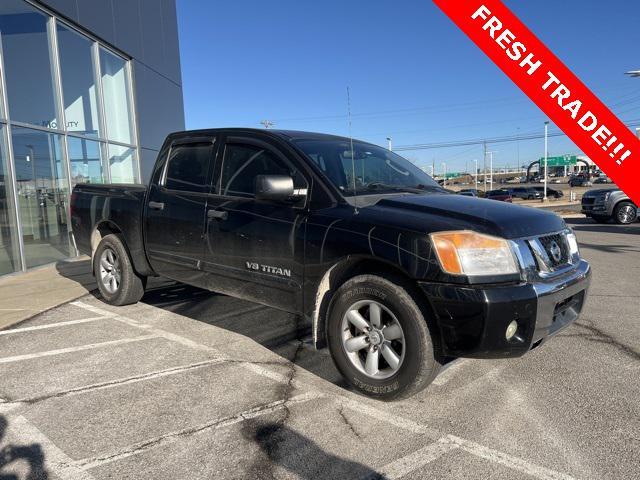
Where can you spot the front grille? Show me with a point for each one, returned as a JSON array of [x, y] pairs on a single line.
[[556, 248]]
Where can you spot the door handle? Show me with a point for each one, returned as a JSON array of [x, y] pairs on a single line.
[[156, 205], [217, 214]]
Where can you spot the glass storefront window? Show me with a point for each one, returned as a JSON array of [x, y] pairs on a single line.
[[85, 158], [43, 193], [78, 82], [27, 64], [9, 250], [116, 97], [94, 93], [122, 163]]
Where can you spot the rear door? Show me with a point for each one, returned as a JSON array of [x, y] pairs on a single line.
[[255, 249], [176, 209]]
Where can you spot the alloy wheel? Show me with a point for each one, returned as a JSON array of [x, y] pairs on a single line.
[[626, 214], [373, 339], [110, 271]]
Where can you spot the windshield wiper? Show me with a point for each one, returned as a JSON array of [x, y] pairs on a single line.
[[395, 188]]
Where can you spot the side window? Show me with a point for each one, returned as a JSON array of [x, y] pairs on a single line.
[[241, 165], [187, 167]]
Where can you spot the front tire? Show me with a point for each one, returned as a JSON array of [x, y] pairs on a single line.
[[118, 282], [625, 213], [379, 338]]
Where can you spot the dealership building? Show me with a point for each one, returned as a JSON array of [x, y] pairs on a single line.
[[88, 91]]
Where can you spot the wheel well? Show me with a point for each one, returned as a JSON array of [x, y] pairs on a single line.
[[615, 205], [349, 268], [100, 231]]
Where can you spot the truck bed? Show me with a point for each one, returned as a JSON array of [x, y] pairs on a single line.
[[112, 208]]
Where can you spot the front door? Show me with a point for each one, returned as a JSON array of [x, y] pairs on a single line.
[[255, 249], [176, 209]]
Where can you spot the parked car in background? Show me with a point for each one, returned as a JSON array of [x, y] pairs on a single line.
[[502, 195], [471, 192], [579, 182], [602, 179], [551, 192], [606, 203], [525, 193]]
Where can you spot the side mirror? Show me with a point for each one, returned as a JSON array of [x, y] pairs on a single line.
[[274, 188]]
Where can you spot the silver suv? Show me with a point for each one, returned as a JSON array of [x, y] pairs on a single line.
[[605, 204]]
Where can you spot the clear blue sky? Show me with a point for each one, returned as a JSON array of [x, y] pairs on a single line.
[[413, 75]]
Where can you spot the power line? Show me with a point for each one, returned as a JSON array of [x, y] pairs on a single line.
[[482, 141], [444, 108]]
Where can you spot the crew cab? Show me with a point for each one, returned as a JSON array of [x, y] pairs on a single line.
[[390, 271]]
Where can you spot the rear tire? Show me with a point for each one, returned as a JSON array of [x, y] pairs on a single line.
[[117, 281], [625, 213], [394, 333]]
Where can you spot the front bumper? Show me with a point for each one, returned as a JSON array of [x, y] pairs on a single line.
[[598, 208], [472, 320]]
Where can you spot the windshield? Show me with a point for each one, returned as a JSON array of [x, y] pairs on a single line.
[[375, 169]]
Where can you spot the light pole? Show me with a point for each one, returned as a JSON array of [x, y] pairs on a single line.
[[476, 173], [546, 157], [389, 142], [491, 168], [444, 177]]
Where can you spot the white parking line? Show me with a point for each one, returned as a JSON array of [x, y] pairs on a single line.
[[388, 417], [111, 384], [478, 450], [61, 351], [412, 462], [157, 331], [135, 449], [55, 459], [50, 325], [507, 460]]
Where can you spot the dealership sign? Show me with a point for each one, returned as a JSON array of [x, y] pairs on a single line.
[[552, 86]]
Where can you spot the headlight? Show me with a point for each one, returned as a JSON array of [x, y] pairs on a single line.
[[573, 244], [606, 196], [469, 253]]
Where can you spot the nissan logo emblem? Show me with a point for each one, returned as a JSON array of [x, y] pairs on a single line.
[[555, 251]]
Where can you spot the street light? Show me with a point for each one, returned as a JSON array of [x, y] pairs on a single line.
[[633, 73], [491, 169], [389, 142], [476, 173], [546, 156], [444, 181]]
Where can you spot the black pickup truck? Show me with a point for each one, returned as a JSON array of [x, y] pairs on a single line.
[[393, 273]]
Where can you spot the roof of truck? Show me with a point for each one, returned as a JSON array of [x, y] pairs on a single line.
[[288, 135]]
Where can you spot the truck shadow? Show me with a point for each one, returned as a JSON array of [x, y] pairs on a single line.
[[281, 332], [20, 462], [588, 225]]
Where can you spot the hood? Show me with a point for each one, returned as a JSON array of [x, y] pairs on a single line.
[[595, 192], [437, 212]]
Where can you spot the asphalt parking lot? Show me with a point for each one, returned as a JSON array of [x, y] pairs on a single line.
[[188, 384]]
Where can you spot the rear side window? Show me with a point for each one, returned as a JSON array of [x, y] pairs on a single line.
[[188, 166], [243, 163]]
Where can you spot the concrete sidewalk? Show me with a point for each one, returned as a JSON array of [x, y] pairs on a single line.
[[24, 295]]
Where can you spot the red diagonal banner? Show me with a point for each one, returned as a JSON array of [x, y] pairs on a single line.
[[552, 86]]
